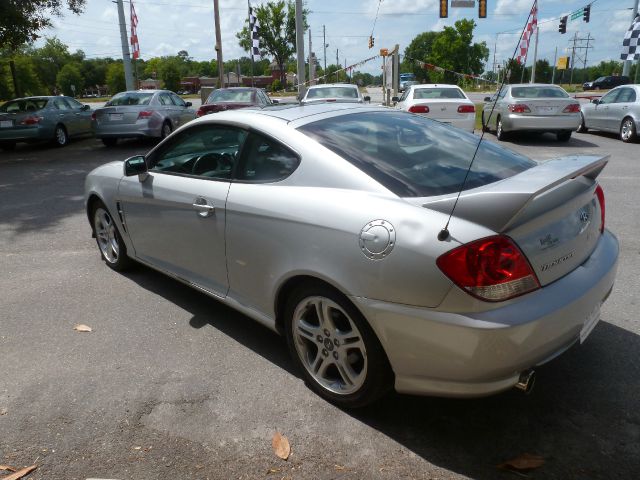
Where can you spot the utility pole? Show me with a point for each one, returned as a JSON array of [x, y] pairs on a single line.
[[627, 63], [586, 54], [300, 47], [216, 16], [573, 56], [337, 66], [555, 59], [324, 42], [126, 57], [535, 57], [311, 62]]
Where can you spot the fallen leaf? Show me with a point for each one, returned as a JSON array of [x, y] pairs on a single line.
[[274, 470], [7, 467], [339, 467], [82, 328], [526, 461], [3, 411], [281, 446], [20, 473]]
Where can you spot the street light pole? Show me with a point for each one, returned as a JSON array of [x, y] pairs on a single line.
[[216, 16], [300, 47], [126, 57]]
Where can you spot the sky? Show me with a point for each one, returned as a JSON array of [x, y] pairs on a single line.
[[168, 26]]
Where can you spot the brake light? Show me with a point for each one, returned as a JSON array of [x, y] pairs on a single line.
[[419, 109], [200, 112], [518, 108], [31, 120], [491, 269], [573, 108], [145, 114], [466, 109], [600, 195]]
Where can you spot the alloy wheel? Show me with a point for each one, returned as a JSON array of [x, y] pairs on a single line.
[[61, 135], [106, 235], [627, 130]]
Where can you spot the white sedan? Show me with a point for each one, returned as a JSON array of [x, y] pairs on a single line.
[[442, 102]]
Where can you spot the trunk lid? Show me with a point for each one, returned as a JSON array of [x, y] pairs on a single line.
[[122, 115], [546, 107], [443, 109], [551, 212]]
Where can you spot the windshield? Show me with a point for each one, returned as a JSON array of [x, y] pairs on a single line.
[[333, 92], [538, 92], [413, 156], [437, 93], [223, 95], [130, 98], [24, 105]]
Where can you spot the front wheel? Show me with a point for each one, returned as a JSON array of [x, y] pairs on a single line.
[[501, 135], [112, 247], [166, 129], [485, 127], [563, 136], [582, 128], [628, 132], [60, 137], [336, 350]]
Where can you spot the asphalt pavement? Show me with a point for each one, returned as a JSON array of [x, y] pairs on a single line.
[[172, 384]]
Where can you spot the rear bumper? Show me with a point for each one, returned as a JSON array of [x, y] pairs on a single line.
[[446, 353], [513, 122], [26, 134], [140, 130]]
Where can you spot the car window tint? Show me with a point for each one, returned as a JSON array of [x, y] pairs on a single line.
[[266, 160], [165, 99], [59, 103], [226, 95], [538, 92], [332, 92], [413, 156], [177, 100], [26, 105], [209, 151], [610, 97], [130, 98], [404, 95], [626, 95], [74, 104], [422, 93]]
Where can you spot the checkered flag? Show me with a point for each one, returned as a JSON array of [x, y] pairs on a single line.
[[631, 42], [528, 33], [255, 39]]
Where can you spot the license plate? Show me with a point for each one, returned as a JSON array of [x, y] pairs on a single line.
[[545, 109], [590, 322], [115, 116], [6, 124]]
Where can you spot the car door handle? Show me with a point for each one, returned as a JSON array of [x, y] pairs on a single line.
[[203, 208]]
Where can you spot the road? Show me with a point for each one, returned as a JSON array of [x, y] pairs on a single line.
[[171, 384]]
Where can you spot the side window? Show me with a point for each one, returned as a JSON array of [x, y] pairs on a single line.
[[404, 95], [610, 97], [74, 104], [266, 160], [59, 103], [627, 95], [165, 99], [177, 100], [207, 151]]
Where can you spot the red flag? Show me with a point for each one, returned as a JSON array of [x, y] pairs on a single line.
[[528, 33], [135, 46]]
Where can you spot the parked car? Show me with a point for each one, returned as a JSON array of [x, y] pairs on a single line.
[[605, 83], [140, 114], [442, 102], [330, 225], [531, 108], [233, 98], [333, 92], [406, 80], [617, 112], [34, 119]]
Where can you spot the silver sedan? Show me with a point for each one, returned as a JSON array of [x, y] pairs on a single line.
[[367, 238], [531, 108], [617, 112], [139, 114]]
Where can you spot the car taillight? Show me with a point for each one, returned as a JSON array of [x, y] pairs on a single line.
[[145, 114], [31, 120], [518, 108], [466, 109], [573, 108], [600, 195], [93, 116], [200, 112], [491, 269], [419, 109]]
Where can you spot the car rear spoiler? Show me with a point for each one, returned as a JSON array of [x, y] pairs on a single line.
[[501, 205]]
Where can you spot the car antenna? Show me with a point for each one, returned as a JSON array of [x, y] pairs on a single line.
[[444, 233]]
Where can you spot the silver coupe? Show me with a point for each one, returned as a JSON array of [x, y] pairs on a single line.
[[617, 112], [372, 242]]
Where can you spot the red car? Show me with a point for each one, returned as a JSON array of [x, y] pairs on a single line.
[[233, 98]]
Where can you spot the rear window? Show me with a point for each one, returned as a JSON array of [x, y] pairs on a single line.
[[230, 96], [332, 92], [130, 98], [422, 93], [413, 156], [25, 105], [538, 92]]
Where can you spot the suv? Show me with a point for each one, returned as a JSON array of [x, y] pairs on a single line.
[[605, 83]]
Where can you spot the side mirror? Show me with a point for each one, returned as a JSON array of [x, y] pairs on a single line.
[[188, 104], [487, 99], [275, 101], [395, 99], [595, 101], [135, 165], [85, 108], [367, 98]]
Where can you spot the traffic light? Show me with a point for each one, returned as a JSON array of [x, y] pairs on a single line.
[[563, 24], [482, 8], [371, 41], [586, 13], [444, 8]]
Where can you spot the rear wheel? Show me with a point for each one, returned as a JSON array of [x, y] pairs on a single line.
[[109, 142], [335, 348], [112, 247], [7, 145], [485, 127], [582, 128], [501, 135], [563, 136], [628, 132], [60, 137], [166, 129]]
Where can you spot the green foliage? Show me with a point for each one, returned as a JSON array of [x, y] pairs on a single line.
[[50, 59], [26, 75], [419, 49], [332, 77], [276, 85], [170, 74], [69, 78], [115, 78]]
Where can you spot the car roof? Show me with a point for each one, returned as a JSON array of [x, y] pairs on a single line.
[[322, 85]]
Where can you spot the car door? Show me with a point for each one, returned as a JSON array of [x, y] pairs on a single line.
[[601, 111], [82, 117], [620, 108], [63, 113], [169, 109], [176, 214], [185, 113]]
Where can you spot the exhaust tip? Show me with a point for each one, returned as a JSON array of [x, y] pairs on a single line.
[[526, 381]]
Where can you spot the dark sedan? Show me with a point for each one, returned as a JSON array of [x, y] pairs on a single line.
[[233, 98], [33, 119]]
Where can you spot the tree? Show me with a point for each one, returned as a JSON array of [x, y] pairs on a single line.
[[50, 59], [419, 49], [21, 20], [115, 78], [70, 79], [26, 76], [277, 31], [170, 74]]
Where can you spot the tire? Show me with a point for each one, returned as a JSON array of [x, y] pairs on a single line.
[[628, 130], [485, 127], [60, 136], [582, 127], [109, 142], [8, 146], [501, 135], [334, 347], [563, 136], [166, 129], [112, 248]]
